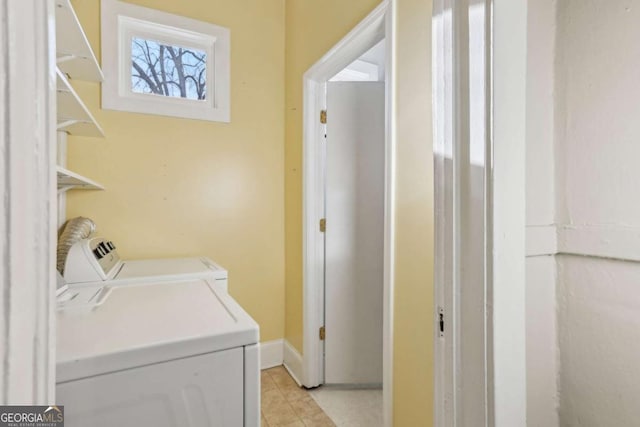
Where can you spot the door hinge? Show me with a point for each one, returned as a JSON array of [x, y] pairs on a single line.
[[323, 117], [322, 333], [323, 225], [441, 322]]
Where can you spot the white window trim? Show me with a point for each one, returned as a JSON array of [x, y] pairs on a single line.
[[121, 21]]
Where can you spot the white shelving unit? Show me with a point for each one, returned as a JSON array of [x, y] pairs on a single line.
[[68, 180], [75, 61], [73, 116], [74, 54]]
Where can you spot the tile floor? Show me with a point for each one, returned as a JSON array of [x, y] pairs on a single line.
[[350, 408], [284, 404]]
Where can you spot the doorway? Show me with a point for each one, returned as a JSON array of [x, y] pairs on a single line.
[[348, 216]]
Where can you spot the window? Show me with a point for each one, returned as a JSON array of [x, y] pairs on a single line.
[[161, 69], [158, 63]]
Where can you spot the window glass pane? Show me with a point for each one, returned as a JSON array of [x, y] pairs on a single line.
[[168, 70]]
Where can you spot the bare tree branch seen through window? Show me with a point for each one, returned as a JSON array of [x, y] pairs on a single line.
[[174, 71]]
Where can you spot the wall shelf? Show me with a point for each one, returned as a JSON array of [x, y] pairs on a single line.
[[75, 60], [68, 180], [73, 116], [74, 54]]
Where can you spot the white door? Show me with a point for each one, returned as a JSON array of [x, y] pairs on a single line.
[[354, 232]]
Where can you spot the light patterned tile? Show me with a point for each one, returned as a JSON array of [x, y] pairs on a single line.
[[297, 423], [276, 370], [263, 421], [281, 415], [282, 378], [264, 375], [271, 400], [285, 404], [293, 392], [266, 383], [319, 420], [306, 407]]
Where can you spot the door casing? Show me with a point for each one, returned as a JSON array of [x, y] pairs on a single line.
[[480, 58], [28, 212]]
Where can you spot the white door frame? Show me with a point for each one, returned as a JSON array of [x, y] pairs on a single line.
[[376, 26], [28, 212], [503, 375], [461, 186]]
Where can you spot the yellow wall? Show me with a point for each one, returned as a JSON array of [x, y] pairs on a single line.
[[313, 27], [413, 349], [178, 187]]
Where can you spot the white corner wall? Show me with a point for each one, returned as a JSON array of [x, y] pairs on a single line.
[[598, 175], [599, 326], [598, 92]]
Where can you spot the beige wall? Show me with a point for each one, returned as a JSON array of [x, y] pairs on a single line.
[[312, 29], [178, 187]]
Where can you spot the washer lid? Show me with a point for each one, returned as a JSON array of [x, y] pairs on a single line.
[[169, 269], [143, 324]]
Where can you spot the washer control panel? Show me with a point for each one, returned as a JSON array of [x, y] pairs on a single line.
[[92, 260], [102, 248]]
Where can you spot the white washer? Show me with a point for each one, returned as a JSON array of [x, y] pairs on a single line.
[[159, 354], [94, 261]]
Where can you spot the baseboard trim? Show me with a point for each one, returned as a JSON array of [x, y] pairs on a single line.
[[293, 362], [271, 353]]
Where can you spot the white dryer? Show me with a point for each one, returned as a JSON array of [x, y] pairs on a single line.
[[172, 354]]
